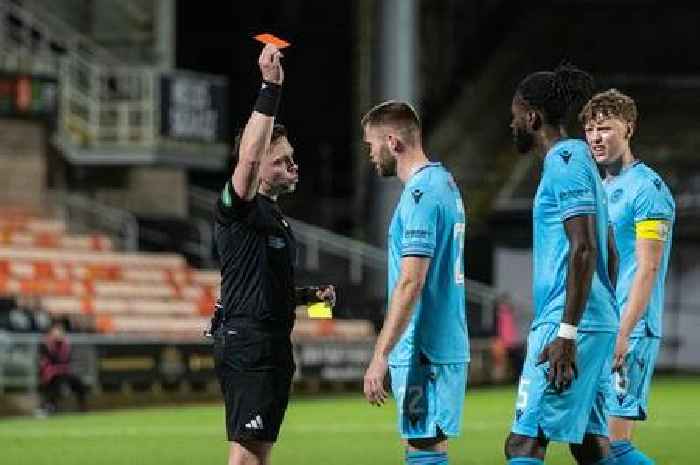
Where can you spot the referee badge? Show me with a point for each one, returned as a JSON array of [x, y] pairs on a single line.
[[275, 242]]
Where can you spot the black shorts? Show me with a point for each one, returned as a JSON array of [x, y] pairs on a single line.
[[255, 368]]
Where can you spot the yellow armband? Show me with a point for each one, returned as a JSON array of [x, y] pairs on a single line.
[[652, 229]]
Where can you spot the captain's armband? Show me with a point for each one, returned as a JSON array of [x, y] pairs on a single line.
[[658, 230]]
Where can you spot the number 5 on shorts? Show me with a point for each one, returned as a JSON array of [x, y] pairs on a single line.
[[522, 393]]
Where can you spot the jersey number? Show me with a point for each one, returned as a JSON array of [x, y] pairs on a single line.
[[415, 400], [459, 262], [522, 393]]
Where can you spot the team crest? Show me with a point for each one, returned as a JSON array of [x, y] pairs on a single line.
[[566, 156], [657, 184], [275, 242], [616, 196], [417, 194]]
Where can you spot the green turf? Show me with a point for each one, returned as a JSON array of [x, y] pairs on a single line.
[[341, 430]]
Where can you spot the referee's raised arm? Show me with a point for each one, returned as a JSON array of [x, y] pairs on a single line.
[[255, 141]]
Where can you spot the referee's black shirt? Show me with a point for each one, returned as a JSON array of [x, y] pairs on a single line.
[[257, 250]]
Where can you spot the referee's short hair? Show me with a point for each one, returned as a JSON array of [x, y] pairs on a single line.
[[398, 115]]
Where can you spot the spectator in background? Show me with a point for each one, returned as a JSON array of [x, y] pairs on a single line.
[[55, 371], [507, 345]]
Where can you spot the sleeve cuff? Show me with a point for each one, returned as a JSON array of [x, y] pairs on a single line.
[[417, 252]]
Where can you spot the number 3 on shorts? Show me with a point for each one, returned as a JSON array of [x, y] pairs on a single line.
[[522, 393]]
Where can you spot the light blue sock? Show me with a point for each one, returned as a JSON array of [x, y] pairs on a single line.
[[525, 461], [425, 457], [626, 454]]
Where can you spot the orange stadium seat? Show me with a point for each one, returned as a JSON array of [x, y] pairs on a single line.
[[136, 260], [82, 278]]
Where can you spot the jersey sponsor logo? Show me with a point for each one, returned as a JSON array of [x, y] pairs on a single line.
[[566, 156], [417, 194], [256, 423], [616, 196], [573, 194], [276, 242], [416, 234]]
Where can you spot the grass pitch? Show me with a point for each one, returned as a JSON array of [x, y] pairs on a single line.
[[326, 430]]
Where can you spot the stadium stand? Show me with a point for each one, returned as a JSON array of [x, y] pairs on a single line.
[[114, 292]]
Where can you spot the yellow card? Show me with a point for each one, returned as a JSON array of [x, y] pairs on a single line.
[[320, 310]]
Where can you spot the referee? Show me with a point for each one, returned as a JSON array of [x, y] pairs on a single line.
[[256, 247]]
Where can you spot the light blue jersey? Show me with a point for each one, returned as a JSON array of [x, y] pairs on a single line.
[[570, 186], [636, 196], [429, 221]]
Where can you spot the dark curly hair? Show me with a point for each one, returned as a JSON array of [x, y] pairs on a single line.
[[557, 94]]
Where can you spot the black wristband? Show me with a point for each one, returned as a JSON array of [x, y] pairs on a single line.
[[268, 98]]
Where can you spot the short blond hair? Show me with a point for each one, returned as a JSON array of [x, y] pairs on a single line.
[[398, 115], [610, 104]]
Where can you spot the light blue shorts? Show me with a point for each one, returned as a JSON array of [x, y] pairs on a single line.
[[631, 384], [581, 409], [429, 398]]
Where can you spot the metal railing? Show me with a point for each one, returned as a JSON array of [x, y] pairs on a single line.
[[107, 106], [108, 109], [316, 241]]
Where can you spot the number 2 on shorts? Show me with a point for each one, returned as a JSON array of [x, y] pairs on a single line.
[[415, 400]]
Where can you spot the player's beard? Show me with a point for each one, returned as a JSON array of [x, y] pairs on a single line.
[[386, 163], [524, 141]]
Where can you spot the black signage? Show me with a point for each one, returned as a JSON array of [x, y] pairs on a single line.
[[146, 363], [193, 109]]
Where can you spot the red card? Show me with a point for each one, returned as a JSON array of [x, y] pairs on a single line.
[[272, 39]]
